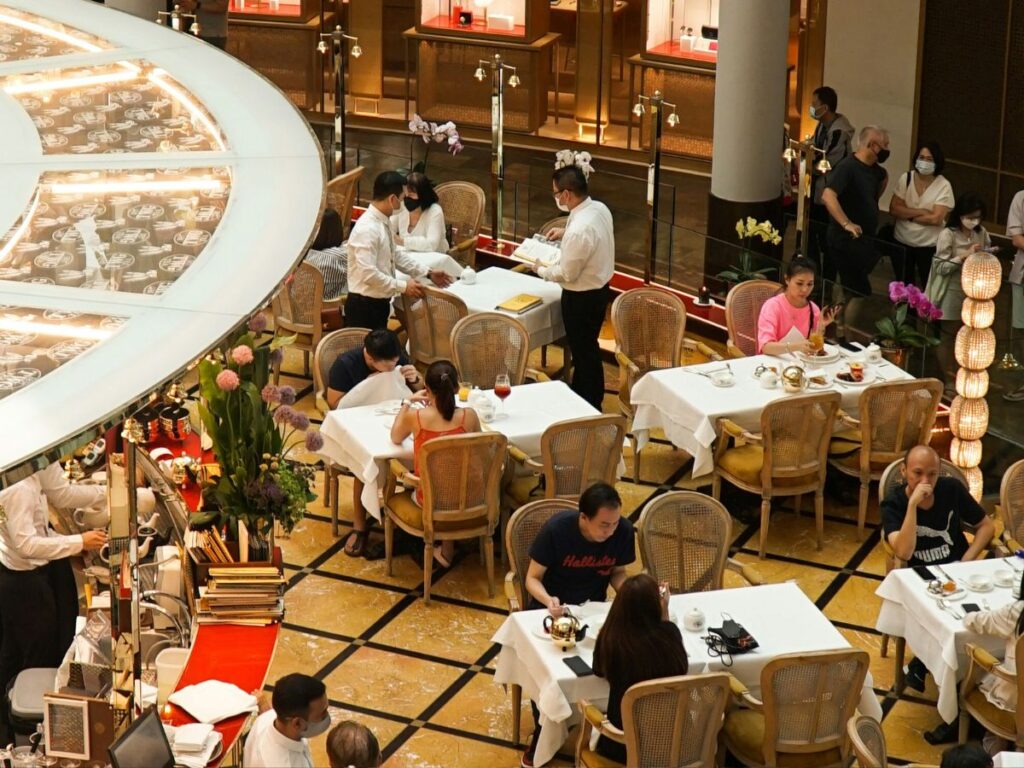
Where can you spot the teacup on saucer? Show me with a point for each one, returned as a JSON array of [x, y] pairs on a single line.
[[979, 582], [1003, 578]]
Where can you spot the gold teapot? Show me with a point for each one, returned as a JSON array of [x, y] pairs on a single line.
[[565, 630], [794, 379]]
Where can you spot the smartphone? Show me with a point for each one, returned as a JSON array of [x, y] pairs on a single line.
[[924, 573], [970, 607], [578, 665]]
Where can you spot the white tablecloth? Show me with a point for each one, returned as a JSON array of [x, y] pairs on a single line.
[[779, 616], [360, 438], [935, 637], [686, 406], [495, 285]]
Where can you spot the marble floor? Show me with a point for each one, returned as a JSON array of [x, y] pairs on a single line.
[[421, 677]]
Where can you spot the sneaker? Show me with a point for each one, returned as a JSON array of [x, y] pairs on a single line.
[[943, 733], [914, 677], [527, 759]]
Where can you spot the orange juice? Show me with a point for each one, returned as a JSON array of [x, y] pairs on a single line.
[[817, 339], [464, 388]]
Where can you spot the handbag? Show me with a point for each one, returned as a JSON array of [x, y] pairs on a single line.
[[730, 639]]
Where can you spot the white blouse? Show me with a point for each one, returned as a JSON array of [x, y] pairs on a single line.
[[939, 192], [1001, 622], [427, 235]]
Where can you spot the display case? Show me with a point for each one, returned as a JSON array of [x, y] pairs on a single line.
[[681, 31], [691, 89], [521, 21], [269, 10]]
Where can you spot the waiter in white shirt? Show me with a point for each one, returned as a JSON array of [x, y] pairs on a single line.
[[279, 737], [38, 595], [372, 257], [583, 270]]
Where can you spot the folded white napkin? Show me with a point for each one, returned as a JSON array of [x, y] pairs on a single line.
[[377, 388], [191, 737], [197, 759], [213, 700]]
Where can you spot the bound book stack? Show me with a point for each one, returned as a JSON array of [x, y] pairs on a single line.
[[207, 546], [242, 596]]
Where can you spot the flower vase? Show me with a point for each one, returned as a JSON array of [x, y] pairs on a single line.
[[895, 355]]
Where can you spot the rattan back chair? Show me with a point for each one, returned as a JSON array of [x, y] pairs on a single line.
[[460, 477], [486, 344], [297, 308], [807, 700], [520, 532], [429, 322], [684, 539], [341, 194], [1011, 505], [463, 204], [742, 310], [671, 722], [787, 458], [649, 326], [867, 741], [974, 703], [558, 222], [577, 453], [894, 416]]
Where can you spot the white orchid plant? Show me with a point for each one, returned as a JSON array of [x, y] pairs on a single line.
[[566, 157], [435, 133], [747, 230]]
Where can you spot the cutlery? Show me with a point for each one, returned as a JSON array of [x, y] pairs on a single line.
[[945, 575], [1013, 561], [707, 374], [948, 608], [984, 604]]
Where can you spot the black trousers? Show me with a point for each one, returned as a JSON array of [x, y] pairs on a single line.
[[915, 264], [365, 312], [38, 609], [583, 315], [854, 258]]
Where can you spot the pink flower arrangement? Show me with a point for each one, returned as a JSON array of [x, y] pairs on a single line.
[[242, 354], [314, 440], [227, 380], [287, 395], [258, 323], [897, 331], [270, 394]]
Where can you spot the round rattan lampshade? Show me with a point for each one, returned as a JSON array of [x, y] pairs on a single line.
[[968, 418], [965, 453], [978, 314], [975, 347], [971, 384], [975, 481], [981, 276]]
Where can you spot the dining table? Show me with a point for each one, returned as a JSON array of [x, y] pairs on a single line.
[[932, 624], [686, 402], [779, 616], [359, 439]]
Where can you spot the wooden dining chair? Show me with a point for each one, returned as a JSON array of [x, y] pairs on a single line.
[[558, 222], [461, 483], [522, 529], [894, 417], [486, 344], [974, 704], [341, 194], [650, 335], [297, 312], [1011, 506], [868, 743], [787, 458], [463, 204], [684, 539], [327, 351], [671, 722], [429, 321], [807, 700], [743, 305]]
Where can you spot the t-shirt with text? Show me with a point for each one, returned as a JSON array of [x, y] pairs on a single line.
[[940, 533]]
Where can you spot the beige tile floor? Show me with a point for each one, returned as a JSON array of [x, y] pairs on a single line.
[[422, 676]]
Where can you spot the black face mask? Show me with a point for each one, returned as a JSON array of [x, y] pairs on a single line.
[[883, 155], [411, 204]]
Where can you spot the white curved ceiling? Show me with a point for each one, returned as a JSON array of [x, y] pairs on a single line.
[[155, 191]]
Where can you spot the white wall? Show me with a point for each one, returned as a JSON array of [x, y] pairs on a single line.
[[871, 61]]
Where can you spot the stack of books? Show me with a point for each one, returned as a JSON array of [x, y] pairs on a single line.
[[242, 596], [207, 546]]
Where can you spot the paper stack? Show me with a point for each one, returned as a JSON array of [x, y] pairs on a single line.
[[242, 596]]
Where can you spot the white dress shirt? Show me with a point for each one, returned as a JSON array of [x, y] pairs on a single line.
[[372, 257], [428, 234], [267, 747], [26, 540], [588, 249]]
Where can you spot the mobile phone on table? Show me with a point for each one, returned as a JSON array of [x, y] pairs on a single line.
[[924, 573], [578, 665], [970, 607]]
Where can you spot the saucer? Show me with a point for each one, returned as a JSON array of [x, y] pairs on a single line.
[[957, 594], [973, 588]]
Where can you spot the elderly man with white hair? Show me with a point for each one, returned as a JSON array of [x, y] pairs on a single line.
[[851, 197]]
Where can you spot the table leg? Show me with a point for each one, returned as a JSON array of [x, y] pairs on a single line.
[[899, 679]]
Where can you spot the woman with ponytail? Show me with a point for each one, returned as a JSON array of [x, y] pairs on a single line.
[[431, 413]]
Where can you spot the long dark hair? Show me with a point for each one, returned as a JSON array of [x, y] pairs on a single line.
[[331, 233], [630, 642], [1020, 596], [443, 382], [424, 189]]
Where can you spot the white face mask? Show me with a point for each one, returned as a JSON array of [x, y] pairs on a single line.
[[561, 206], [817, 113], [925, 167], [970, 223], [315, 729]]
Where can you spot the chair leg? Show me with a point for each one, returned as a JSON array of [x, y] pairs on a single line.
[[965, 725], [305, 362], [819, 516], [389, 540], [885, 647], [636, 457], [716, 487], [327, 484], [489, 557], [428, 568], [766, 511], [862, 508], [543, 360], [796, 503], [277, 373], [899, 678], [517, 712]]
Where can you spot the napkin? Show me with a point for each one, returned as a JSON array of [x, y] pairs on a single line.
[[197, 759], [191, 737], [377, 388], [1008, 760], [213, 700]]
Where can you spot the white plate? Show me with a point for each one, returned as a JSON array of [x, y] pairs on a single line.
[[724, 384], [869, 378], [957, 594], [388, 408], [812, 385], [832, 354]]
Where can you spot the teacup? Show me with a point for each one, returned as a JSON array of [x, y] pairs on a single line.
[[769, 380], [469, 276], [979, 582], [1004, 578], [723, 379], [873, 353]]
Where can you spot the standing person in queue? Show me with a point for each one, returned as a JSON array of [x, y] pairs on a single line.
[[372, 258], [584, 270], [38, 596]]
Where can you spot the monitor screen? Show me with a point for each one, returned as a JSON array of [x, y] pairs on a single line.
[[143, 745]]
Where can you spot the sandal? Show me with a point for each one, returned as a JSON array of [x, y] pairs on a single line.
[[356, 544]]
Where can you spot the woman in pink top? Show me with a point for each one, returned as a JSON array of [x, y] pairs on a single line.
[[788, 318]]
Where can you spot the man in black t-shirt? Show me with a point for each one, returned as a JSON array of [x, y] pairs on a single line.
[[851, 197], [575, 557], [381, 353]]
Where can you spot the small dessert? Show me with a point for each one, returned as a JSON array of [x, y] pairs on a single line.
[[948, 586], [857, 371], [819, 381]]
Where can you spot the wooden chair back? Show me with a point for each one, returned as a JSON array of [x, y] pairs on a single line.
[[674, 721], [808, 700], [298, 306], [1011, 500], [684, 539], [892, 477], [580, 452], [341, 194], [649, 325], [327, 351], [463, 204], [868, 742], [894, 417], [429, 322], [558, 222], [460, 477], [742, 310], [522, 529], [487, 344], [797, 431]]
